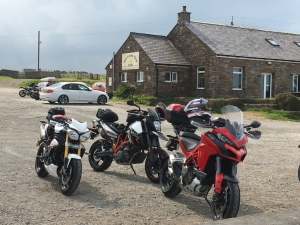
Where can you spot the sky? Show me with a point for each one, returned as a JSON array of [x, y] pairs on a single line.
[[82, 35]]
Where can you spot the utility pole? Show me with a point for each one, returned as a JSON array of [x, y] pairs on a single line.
[[39, 50]]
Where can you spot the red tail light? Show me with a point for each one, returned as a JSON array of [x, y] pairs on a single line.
[[49, 91]]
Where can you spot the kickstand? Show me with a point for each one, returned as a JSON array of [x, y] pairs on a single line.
[[132, 169], [207, 200]]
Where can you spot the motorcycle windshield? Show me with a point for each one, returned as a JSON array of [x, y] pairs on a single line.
[[234, 120], [153, 114]]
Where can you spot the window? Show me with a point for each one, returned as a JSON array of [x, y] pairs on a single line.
[[83, 87], [272, 42], [123, 77], [200, 77], [294, 83], [140, 77], [171, 77], [237, 77]]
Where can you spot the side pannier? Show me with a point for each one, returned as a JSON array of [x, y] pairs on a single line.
[[107, 115]]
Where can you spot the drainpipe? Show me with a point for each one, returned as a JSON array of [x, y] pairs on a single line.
[[156, 91]]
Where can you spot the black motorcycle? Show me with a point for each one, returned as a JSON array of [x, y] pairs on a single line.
[[128, 144], [32, 91]]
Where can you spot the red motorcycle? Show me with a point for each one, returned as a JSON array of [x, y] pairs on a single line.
[[208, 160]]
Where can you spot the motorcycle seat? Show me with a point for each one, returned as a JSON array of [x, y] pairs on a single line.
[[189, 140], [117, 127]]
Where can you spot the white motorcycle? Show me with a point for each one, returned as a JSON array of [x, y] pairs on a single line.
[[60, 150]]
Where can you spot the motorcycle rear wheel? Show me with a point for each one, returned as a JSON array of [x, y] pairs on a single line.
[[99, 164], [229, 201], [168, 186], [39, 162], [22, 93], [69, 182]]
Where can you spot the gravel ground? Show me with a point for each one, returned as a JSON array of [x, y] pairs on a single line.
[[268, 176]]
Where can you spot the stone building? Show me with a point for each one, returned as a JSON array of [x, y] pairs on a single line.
[[198, 59]]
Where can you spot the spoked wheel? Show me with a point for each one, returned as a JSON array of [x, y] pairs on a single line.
[[63, 99], [227, 204], [39, 162], [299, 173], [102, 99], [22, 93], [153, 171], [70, 181], [168, 185], [99, 163]]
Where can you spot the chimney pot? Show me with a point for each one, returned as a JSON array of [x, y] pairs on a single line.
[[183, 8]]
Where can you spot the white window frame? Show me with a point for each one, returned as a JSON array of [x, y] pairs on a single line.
[[240, 74], [199, 74], [293, 86], [140, 76], [123, 77], [173, 77]]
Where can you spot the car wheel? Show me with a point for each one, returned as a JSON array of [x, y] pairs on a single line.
[[63, 99], [102, 99]]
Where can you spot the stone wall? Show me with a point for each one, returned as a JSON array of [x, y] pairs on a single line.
[[9, 73], [41, 74]]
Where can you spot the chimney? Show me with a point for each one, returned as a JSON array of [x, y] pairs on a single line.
[[184, 16]]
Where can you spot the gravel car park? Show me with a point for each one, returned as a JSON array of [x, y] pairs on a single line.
[[268, 176]]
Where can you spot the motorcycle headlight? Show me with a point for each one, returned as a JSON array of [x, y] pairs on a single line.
[[84, 137], [73, 134], [157, 125], [224, 139]]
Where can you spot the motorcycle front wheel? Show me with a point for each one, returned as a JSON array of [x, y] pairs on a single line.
[[22, 93], [153, 171], [227, 204], [101, 163], [70, 181], [39, 162], [168, 186]]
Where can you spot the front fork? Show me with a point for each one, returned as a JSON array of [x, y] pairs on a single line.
[[66, 153]]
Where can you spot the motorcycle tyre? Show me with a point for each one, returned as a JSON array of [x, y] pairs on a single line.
[[299, 172], [76, 170], [22, 93], [232, 206], [107, 160], [150, 171], [39, 165], [168, 186]]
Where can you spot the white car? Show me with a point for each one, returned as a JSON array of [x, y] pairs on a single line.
[[64, 92]]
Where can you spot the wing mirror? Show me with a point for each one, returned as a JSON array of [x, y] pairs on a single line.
[[255, 124]]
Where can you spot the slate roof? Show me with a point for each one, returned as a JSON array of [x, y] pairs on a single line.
[[159, 49], [237, 41]]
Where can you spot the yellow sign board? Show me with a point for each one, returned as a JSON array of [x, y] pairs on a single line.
[[130, 61]]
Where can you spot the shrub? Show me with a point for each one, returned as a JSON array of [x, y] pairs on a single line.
[[125, 90], [287, 101]]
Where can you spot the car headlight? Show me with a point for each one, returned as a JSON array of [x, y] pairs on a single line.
[[157, 125], [73, 134], [84, 137]]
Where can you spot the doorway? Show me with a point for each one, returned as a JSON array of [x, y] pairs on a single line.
[[266, 85]]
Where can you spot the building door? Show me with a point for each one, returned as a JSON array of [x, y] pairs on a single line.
[[266, 85]]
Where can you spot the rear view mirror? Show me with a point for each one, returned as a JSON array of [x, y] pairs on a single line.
[[130, 102], [255, 124]]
